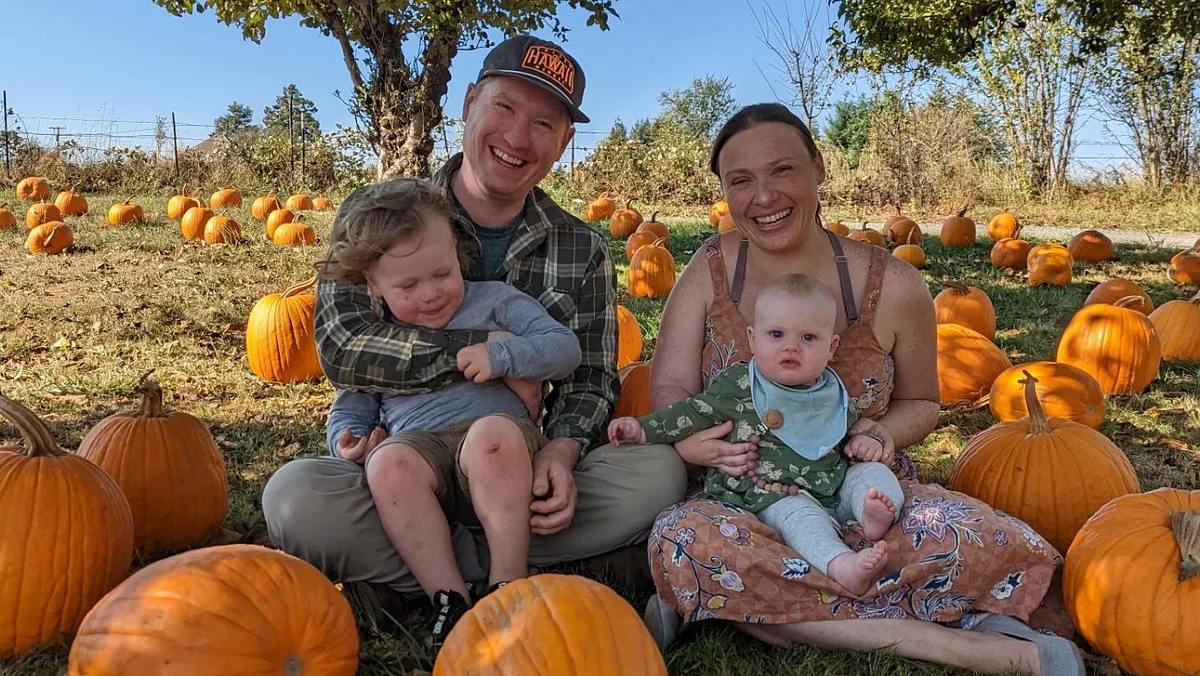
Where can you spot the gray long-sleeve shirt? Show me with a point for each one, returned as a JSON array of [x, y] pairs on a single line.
[[540, 348]]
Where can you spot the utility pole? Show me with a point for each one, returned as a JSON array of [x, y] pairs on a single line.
[[7, 165], [57, 144], [302, 155], [175, 143], [291, 138]]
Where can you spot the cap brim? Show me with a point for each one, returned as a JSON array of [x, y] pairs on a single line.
[[576, 114]]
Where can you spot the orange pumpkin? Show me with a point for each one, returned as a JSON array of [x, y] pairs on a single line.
[[1116, 345], [1178, 325], [837, 228], [225, 198], [909, 252], [1185, 266], [967, 364], [638, 240], [222, 230], [193, 222], [1130, 582], [966, 306], [654, 227], [233, 609], [550, 625], [262, 207], [1049, 264], [1092, 246], [300, 202], [280, 344], [894, 217], [1009, 253], [49, 238], [67, 537], [717, 211], [651, 272], [277, 218], [629, 337], [126, 212], [1049, 472], [1004, 225], [600, 208], [958, 230], [726, 224], [624, 221], [71, 203], [42, 212], [898, 230], [179, 204], [1063, 391], [322, 203], [7, 220], [169, 468], [1115, 289], [33, 189], [634, 398], [296, 233], [866, 235]]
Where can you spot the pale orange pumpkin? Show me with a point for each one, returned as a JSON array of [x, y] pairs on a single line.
[[280, 344], [1009, 253], [33, 189], [67, 537], [1115, 289], [1116, 345], [222, 230], [1049, 472], [1049, 264], [42, 212], [179, 204], [262, 207], [717, 211], [866, 235], [169, 468], [600, 208], [71, 203], [651, 272], [958, 230], [123, 213], [1091, 246], [277, 218], [624, 221], [225, 198], [634, 398], [629, 337], [636, 241], [1131, 582], [1185, 267], [7, 220], [967, 306], [1064, 391], [910, 252], [322, 203], [49, 238], [655, 227], [232, 609], [1178, 325], [193, 222], [1004, 224], [300, 202], [296, 233], [726, 224], [967, 364], [837, 228]]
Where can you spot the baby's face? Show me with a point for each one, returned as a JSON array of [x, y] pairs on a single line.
[[419, 278], [792, 340]]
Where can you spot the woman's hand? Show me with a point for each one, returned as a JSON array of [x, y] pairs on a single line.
[[708, 448], [871, 428]]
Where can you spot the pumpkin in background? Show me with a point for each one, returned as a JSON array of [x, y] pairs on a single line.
[[1117, 288], [651, 272], [169, 468], [1131, 581], [910, 252], [624, 221], [233, 609], [1178, 325], [1185, 267], [262, 207], [193, 222], [966, 306], [225, 198], [636, 241], [866, 235], [126, 212], [1116, 345], [49, 238], [42, 212], [958, 230], [1011, 254], [299, 202], [600, 208], [837, 228], [222, 230], [629, 337], [1063, 391], [634, 398], [280, 344], [1049, 264], [1004, 224], [898, 230], [655, 227], [967, 364], [277, 218], [7, 220], [296, 233], [550, 625], [1091, 246], [71, 203], [893, 217], [33, 189], [67, 537], [179, 204], [726, 224], [1049, 472], [322, 203], [717, 211]]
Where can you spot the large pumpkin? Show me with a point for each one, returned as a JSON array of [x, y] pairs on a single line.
[[717, 211], [1049, 264], [1178, 325], [300, 202], [655, 227], [1132, 582], [7, 220], [967, 364], [1004, 224], [222, 230], [866, 235], [651, 272], [629, 337], [1116, 345], [550, 625], [125, 212], [1115, 289], [280, 344], [624, 221], [233, 609], [168, 466], [322, 203], [726, 224], [898, 230], [966, 306], [911, 252], [33, 188], [958, 230], [49, 238], [225, 198], [1011, 254], [837, 228], [42, 212], [193, 222], [1185, 267], [277, 218], [600, 208], [296, 233], [262, 207], [636, 241], [1049, 472], [71, 203], [179, 204], [1063, 391], [1092, 246], [634, 399], [67, 537]]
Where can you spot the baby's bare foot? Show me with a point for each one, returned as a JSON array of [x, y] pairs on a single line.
[[857, 570], [879, 512]]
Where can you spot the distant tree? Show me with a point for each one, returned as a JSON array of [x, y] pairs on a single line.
[[850, 127], [237, 118], [803, 59], [276, 116], [701, 108]]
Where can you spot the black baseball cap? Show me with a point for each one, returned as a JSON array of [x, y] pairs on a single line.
[[543, 63]]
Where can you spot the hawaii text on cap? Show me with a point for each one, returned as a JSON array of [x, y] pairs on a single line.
[[543, 63]]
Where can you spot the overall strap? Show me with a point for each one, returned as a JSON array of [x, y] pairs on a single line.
[[716, 267], [839, 257], [739, 271], [879, 262]]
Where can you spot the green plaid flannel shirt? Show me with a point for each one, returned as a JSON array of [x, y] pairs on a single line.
[[555, 257]]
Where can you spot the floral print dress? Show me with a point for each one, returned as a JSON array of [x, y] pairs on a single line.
[[950, 554]]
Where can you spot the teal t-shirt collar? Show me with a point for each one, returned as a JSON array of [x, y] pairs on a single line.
[[815, 418]]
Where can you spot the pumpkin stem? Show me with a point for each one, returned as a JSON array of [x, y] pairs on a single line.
[[908, 240], [654, 216], [1129, 301], [152, 396], [962, 212], [33, 430], [129, 200], [1194, 301], [959, 288], [1037, 417], [300, 288], [1186, 526]]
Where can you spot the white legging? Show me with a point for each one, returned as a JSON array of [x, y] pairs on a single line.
[[808, 527]]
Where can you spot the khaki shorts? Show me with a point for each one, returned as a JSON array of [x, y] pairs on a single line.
[[442, 449]]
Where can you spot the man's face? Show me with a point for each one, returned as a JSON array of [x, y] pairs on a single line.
[[513, 132], [419, 277]]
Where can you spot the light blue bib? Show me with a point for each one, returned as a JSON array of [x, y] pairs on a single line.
[[815, 418]]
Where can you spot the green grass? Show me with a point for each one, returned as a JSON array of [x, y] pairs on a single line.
[[77, 331]]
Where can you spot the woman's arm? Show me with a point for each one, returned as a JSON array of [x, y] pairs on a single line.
[[906, 309], [675, 374]]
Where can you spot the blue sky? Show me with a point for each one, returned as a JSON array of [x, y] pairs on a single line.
[[126, 61]]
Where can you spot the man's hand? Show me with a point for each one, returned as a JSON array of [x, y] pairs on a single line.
[[474, 363], [357, 449], [530, 393], [553, 504]]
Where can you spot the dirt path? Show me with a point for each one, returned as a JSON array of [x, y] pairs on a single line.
[[1175, 241]]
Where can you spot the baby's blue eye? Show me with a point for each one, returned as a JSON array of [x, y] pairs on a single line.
[[776, 334], [808, 337]]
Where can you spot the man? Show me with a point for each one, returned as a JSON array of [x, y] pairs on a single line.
[[518, 118]]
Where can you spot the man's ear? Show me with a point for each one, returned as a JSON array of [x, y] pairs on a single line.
[[567, 139], [469, 98]]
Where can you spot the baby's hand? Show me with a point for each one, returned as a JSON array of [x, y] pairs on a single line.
[[473, 361], [628, 429], [357, 449], [864, 447]]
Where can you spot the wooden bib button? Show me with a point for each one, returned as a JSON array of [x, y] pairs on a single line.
[[773, 419]]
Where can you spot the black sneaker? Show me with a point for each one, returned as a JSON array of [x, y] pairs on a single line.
[[375, 606], [448, 606]]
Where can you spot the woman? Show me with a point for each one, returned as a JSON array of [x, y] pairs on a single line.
[[954, 559]]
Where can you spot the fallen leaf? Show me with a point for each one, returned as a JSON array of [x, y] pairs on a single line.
[[1173, 443]]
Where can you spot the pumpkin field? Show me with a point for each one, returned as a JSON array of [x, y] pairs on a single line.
[[120, 299]]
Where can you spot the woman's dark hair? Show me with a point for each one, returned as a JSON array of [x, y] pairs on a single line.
[[754, 115]]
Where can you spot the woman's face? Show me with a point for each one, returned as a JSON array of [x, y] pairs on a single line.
[[771, 182]]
